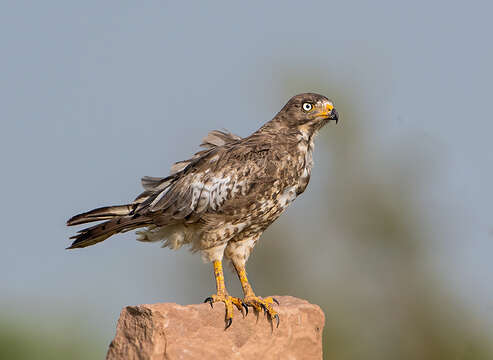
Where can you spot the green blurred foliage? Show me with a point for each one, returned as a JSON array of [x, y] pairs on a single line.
[[24, 340]]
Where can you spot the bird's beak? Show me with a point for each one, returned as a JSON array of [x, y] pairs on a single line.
[[329, 112], [334, 115]]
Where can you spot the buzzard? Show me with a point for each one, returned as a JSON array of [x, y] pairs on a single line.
[[221, 200]]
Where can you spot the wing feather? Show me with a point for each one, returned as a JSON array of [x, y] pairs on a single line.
[[207, 181], [219, 138]]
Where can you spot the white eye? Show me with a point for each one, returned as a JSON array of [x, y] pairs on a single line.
[[307, 106]]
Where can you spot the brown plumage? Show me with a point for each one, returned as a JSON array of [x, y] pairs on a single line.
[[223, 198]]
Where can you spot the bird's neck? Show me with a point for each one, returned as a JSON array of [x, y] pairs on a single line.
[[278, 127]]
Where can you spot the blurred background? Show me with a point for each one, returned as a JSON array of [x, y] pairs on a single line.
[[393, 237]]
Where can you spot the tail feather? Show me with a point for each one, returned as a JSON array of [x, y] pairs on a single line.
[[101, 232], [103, 213]]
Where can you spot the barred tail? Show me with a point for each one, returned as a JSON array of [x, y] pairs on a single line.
[[103, 213], [119, 220]]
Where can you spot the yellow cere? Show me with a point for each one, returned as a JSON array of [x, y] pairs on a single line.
[[326, 110]]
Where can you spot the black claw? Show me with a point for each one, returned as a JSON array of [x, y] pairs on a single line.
[[210, 300], [277, 317], [264, 307], [275, 300], [228, 323], [245, 307]]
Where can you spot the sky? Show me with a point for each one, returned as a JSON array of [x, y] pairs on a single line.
[[95, 95]]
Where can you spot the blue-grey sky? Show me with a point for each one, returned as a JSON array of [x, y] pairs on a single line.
[[96, 94]]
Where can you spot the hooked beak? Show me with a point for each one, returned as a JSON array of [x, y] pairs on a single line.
[[329, 112], [334, 115]]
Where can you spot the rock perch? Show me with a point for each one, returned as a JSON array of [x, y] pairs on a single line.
[[172, 331]]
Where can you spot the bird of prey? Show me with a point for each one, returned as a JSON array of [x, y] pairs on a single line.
[[221, 200]]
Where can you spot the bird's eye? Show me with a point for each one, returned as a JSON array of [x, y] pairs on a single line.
[[307, 106]]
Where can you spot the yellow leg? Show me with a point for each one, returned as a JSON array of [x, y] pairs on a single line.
[[219, 275], [251, 299], [222, 294]]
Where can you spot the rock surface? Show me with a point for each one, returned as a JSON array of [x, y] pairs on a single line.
[[172, 331]]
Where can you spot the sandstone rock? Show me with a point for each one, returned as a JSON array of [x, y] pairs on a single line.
[[171, 331]]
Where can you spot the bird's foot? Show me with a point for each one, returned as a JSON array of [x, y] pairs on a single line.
[[259, 304], [228, 301]]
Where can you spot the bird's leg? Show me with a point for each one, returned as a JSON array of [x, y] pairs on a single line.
[[251, 299], [222, 294]]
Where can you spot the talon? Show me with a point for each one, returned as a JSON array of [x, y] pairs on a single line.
[[259, 304], [229, 322], [238, 303], [210, 301], [264, 308], [245, 307], [277, 318]]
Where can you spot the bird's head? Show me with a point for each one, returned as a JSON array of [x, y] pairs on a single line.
[[310, 111]]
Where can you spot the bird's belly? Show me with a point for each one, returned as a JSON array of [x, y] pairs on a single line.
[[268, 210]]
